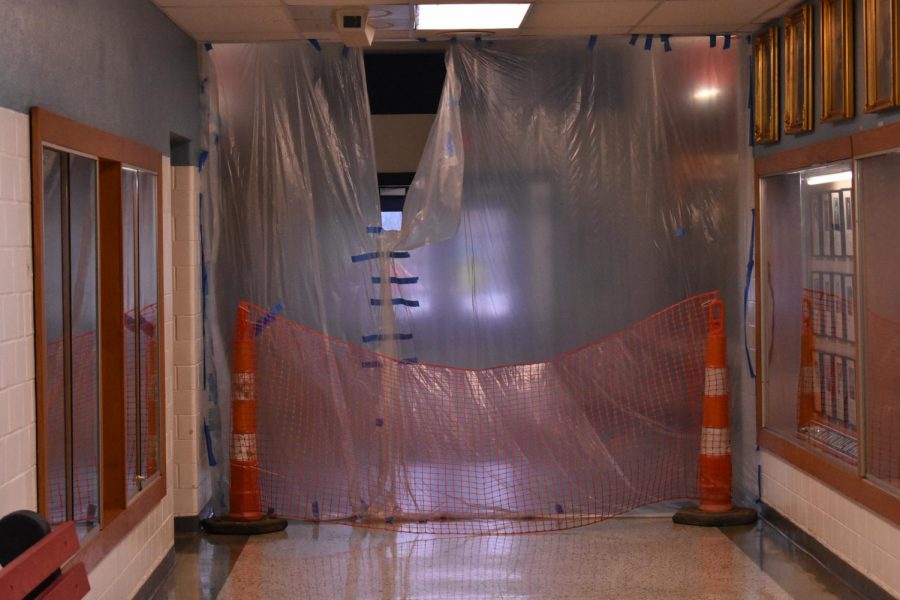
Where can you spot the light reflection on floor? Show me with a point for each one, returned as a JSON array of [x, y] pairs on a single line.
[[620, 558]]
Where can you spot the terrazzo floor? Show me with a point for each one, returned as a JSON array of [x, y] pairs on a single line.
[[623, 558]]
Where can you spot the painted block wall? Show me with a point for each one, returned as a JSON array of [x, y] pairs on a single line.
[[193, 487], [18, 471]]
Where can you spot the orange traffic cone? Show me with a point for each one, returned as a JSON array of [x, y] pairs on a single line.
[[245, 516], [715, 508]]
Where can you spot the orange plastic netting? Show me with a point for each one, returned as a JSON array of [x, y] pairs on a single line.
[[350, 435]]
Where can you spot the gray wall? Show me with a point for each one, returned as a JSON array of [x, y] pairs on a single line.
[[117, 65], [827, 131]]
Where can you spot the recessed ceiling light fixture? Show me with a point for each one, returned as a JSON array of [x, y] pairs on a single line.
[[831, 178], [470, 17]]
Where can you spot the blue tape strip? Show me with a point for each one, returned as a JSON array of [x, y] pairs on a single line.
[[559, 509], [361, 257], [315, 44], [592, 41], [712, 41], [345, 51], [379, 422], [399, 254], [380, 337], [374, 229], [209, 445], [665, 41], [747, 281], [315, 510], [201, 161], [727, 43], [478, 41], [395, 302], [261, 325], [207, 46], [397, 280], [410, 359], [634, 39], [648, 42], [370, 364], [421, 40]]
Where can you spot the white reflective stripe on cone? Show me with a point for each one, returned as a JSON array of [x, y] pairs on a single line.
[[715, 441], [243, 384], [716, 382], [243, 446]]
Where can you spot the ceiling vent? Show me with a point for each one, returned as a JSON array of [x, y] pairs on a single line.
[[354, 27]]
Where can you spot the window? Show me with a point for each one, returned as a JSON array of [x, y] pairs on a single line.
[[828, 341], [69, 352], [97, 241]]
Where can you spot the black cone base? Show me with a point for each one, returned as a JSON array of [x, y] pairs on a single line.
[[694, 516], [221, 525]]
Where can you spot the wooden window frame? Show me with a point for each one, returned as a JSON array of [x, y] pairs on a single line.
[[118, 516], [848, 480]]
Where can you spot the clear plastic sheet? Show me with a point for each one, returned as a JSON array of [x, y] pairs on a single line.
[[564, 195]]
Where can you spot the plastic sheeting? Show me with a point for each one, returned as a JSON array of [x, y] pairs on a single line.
[[563, 195]]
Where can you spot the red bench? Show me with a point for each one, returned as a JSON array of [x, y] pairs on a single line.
[[37, 572]]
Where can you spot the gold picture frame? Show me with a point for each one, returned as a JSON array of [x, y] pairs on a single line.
[[836, 25], [766, 98], [798, 71], [882, 43]]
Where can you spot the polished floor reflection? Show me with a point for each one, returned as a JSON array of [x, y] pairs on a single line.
[[621, 558]]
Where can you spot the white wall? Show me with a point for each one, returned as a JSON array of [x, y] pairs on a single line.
[[18, 472], [127, 567], [192, 474]]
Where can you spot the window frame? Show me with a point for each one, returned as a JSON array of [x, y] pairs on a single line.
[[850, 481], [117, 514]]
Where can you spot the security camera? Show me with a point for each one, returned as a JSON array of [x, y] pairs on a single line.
[[353, 27]]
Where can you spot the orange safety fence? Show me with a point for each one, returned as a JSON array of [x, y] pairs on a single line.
[[85, 417], [345, 434]]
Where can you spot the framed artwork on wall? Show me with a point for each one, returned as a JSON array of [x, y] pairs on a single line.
[[836, 23], [765, 93], [882, 37], [798, 71]]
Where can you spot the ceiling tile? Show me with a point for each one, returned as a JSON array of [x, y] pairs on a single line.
[[232, 19], [587, 14], [700, 13]]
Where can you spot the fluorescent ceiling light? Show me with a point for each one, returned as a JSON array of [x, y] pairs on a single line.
[[470, 17], [833, 177], [706, 93]]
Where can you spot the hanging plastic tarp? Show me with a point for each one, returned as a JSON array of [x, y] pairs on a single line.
[[563, 196]]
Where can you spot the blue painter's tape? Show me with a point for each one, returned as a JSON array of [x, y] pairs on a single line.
[[747, 282], [409, 359], [216, 139], [345, 51], [204, 154], [209, 445], [379, 422], [315, 44], [399, 254], [380, 337], [361, 257], [395, 302], [421, 40], [634, 39], [680, 232], [727, 43], [559, 509], [478, 41], [667, 46], [390, 520], [712, 41], [592, 41], [315, 509], [370, 364], [374, 229], [261, 325], [648, 42], [397, 280], [207, 46]]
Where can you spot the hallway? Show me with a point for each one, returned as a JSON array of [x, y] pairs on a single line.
[[626, 558]]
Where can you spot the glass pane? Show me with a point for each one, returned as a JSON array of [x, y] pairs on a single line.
[[149, 313], [810, 375], [879, 213], [83, 311], [53, 350], [129, 294]]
